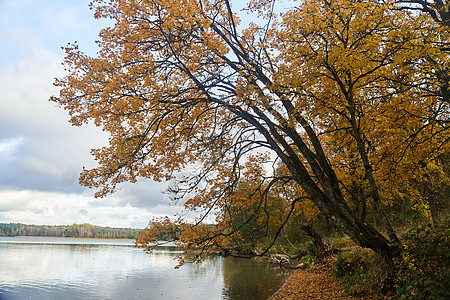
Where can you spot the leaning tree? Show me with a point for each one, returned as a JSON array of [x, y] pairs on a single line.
[[341, 93]]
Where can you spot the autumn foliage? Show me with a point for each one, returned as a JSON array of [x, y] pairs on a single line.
[[337, 107]]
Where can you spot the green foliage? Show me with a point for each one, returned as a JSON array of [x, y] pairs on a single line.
[[297, 236], [361, 271], [422, 272], [247, 225], [342, 241], [315, 251]]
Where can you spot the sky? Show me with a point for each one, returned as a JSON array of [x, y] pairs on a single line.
[[41, 154]]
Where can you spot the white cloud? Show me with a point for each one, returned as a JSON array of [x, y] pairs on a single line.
[[32, 207], [41, 154], [9, 146], [49, 146]]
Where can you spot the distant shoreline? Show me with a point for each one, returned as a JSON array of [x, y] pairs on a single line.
[[68, 237], [52, 240], [69, 231]]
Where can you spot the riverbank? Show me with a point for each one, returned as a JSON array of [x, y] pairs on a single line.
[[315, 283]]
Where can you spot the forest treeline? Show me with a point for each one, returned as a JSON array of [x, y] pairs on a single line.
[[75, 230]]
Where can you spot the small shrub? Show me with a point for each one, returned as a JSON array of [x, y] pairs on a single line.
[[315, 251], [361, 271], [422, 272], [342, 242], [310, 254], [308, 260]]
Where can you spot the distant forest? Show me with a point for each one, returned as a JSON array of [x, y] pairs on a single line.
[[74, 230]]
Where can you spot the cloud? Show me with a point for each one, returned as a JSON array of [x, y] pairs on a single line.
[[12, 201], [50, 208], [143, 194], [29, 24], [41, 154], [41, 150]]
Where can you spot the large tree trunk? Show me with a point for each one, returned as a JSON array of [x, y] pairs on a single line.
[[369, 170]]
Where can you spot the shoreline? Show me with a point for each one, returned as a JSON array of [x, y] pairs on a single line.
[[43, 240], [66, 237], [311, 284], [317, 282]]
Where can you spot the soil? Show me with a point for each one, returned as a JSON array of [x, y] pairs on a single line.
[[314, 283]]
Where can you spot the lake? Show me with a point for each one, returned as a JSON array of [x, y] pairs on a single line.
[[64, 268]]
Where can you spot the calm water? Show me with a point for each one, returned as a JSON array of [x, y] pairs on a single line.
[[55, 268]]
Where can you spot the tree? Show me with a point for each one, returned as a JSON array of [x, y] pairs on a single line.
[[329, 88], [438, 10], [369, 92]]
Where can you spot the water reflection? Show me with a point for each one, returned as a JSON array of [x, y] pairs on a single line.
[[246, 278], [95, 271]]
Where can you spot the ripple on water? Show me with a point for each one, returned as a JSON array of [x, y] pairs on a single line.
[[72, 272]]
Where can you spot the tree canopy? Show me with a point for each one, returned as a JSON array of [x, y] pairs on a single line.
[[332, 103]]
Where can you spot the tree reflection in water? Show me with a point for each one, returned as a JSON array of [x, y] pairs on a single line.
[[250, 279]]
